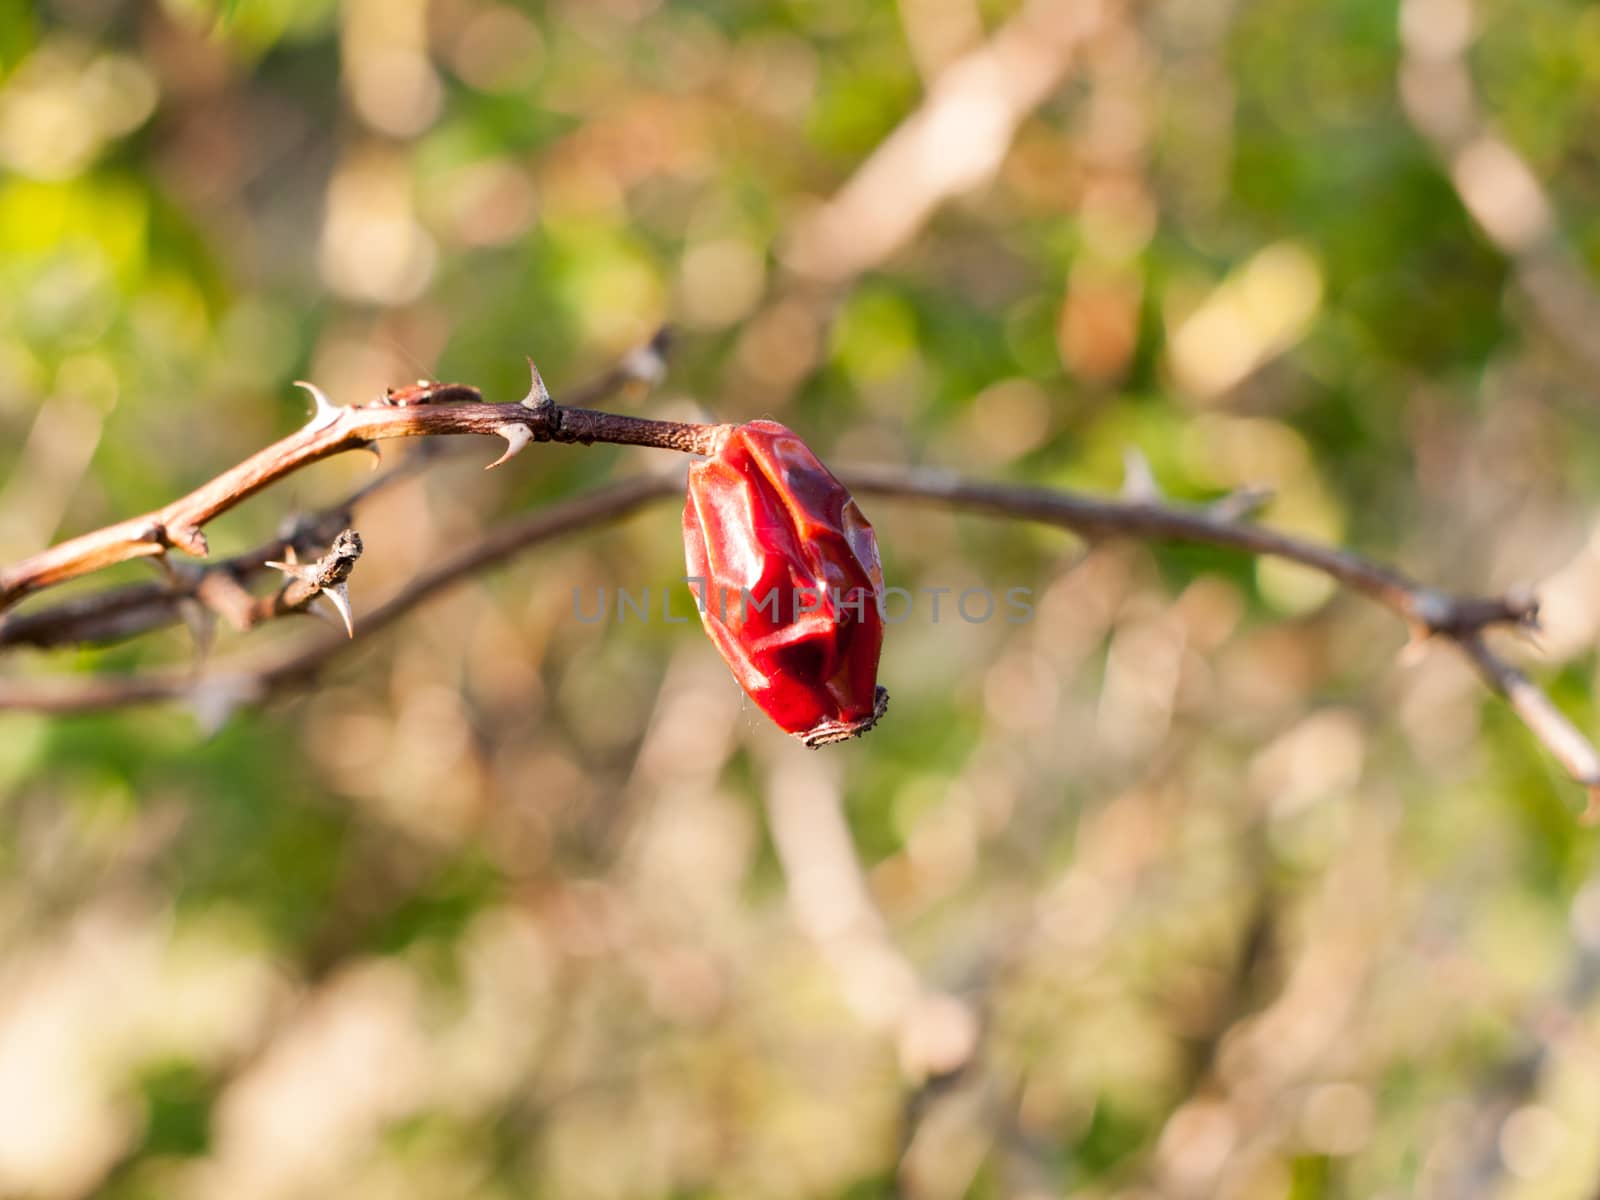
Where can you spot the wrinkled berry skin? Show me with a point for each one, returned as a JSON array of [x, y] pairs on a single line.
[[786, 576]]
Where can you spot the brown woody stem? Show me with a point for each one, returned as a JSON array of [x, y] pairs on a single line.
[[179, 523]]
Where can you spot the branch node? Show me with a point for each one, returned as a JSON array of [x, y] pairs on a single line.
[[326, 411], [345, 550], [517, 437], [327, 576]]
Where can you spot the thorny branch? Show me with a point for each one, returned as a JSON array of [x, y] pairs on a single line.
[[229, 685], [198, 593], [1429, 612], [336, 430]]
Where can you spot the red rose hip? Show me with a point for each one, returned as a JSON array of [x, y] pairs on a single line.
[[787, 579]]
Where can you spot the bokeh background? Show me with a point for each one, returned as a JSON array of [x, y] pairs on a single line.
[[1199, 884]]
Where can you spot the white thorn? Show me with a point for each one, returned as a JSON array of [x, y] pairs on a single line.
[[517, 438], [292, 566], [538, 395], [326, 412], [1138, 480], [339, 596], [1241, 504], [372, 449]]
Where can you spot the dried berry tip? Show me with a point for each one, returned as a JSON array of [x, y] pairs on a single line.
[[837, 731]]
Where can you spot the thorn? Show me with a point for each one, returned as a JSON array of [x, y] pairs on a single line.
[[517, 438], [1240, 504], [189, 539], [1591, 811], [326, 411], [1138, 480], [538, 396], [339, 596], [372, 449], [293, 567]]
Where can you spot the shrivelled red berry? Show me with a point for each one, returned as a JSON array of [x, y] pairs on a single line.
[[787, 579]]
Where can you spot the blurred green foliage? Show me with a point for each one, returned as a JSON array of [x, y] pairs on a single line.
[[1190, 883]]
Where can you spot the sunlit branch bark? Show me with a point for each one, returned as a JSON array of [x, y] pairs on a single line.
[[331, 431]]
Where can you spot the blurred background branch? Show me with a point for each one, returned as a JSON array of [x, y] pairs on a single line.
[[1495, 182]]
